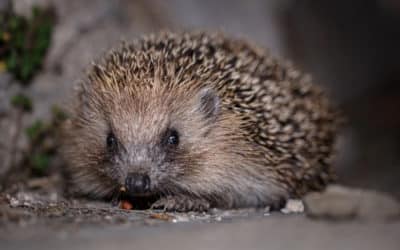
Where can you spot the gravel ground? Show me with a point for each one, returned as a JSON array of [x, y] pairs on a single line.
[[37, 220]]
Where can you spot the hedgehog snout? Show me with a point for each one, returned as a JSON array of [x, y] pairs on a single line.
[[137, 184]]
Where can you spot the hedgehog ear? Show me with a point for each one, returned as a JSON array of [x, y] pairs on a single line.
[[208, 103]]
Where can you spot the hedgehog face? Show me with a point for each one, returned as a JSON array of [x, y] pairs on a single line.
[[148, 143], [159, 140]]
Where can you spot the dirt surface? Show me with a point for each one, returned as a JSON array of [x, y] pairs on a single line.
[[240, 229], [47, 220], [32, 208]]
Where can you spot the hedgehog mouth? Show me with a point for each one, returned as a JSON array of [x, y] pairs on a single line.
[[139, 201]]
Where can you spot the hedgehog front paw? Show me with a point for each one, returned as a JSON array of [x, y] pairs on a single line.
[[181, 204]]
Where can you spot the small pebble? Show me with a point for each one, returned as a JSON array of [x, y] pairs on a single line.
[[293, 206], [14, 202], [181, 218]]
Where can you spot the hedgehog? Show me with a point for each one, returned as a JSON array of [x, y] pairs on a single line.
[[199, 120]]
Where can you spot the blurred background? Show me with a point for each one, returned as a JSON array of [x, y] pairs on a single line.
[[349, 47]]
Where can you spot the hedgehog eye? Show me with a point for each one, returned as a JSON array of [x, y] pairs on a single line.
[[172, 137], [112, 143]]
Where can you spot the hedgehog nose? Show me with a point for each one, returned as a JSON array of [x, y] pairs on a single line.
[[137, 183]]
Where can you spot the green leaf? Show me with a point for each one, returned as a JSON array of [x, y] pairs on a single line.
[[19, 40], [36, 12], [58, 113], [40, 162], [14, 22], [11, 61], [34, 131], [22, 101], [27, 68], [28, 41]]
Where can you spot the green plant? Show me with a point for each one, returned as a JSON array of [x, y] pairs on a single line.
[[40, 163], [22, 102], [43, 140], [35, 130], [24, 42]]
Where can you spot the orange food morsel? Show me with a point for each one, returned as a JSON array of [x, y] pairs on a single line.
[[126, 205]]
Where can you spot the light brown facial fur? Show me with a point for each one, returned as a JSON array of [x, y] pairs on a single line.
[[251, 131]]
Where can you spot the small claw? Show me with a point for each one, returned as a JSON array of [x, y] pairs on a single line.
[[159, 204]]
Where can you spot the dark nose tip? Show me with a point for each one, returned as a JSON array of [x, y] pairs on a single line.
[[137, 183]]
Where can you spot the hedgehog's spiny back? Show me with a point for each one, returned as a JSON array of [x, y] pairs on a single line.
[[280, 110]]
